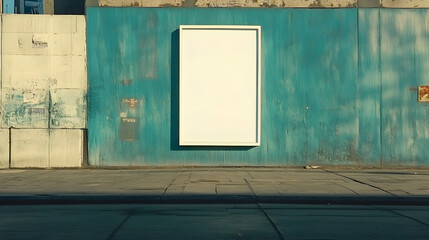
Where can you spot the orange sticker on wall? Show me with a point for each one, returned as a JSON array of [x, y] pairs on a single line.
[[423, 93]]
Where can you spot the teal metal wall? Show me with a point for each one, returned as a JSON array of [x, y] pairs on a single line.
[[338, 87]]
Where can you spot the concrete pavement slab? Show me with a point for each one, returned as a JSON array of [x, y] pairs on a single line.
[[248, 185], [237, 189]]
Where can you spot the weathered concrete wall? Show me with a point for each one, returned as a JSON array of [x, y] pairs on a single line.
[[338, 86], [43, 87], [44, 71], [404, 3], [263, 3]]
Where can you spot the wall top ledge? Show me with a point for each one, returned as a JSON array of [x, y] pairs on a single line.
[[262, 3]]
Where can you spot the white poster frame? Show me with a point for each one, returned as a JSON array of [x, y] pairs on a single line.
[[220, 85]]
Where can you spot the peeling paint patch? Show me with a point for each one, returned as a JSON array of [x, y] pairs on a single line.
[[68, 108], [25, 108], [149, 48], [126, 82], [128, 129]]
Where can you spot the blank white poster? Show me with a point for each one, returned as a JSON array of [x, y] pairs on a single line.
[[219, 86]]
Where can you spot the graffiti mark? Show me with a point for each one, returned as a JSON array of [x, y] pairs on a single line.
[[131, 102], [25, 108], [40, 41], [39, 111], [68, 108], [129, 120]]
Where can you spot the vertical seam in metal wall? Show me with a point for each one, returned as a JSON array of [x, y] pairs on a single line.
[[85, 141], [358, 82], [380, 79]]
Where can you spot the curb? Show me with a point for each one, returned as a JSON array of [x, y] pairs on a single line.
[[46, 199]]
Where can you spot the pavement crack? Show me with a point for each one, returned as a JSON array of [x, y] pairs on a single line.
[[112, 235], [405, 216], [248, 173], [171, 183], [364, 183], [411, 218], [271, 221], [250, 187], [351, 190]]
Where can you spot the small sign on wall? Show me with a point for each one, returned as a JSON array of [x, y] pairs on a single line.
[[423, 93]]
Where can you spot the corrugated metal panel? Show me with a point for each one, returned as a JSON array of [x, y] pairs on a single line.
[[339, 87]]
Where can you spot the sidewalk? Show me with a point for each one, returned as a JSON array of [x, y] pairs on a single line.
[[215, 185]]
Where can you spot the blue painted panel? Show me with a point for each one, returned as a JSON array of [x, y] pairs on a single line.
[[404, 66], [309, 87], [326, 87]]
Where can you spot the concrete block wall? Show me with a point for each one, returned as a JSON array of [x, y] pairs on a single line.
[[4, 148], [43, 89], [46, 148]]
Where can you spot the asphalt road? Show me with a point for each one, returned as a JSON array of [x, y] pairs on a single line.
[[213, 221]]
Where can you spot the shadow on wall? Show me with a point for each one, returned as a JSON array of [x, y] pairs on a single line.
[[174, 118], [69, 7]]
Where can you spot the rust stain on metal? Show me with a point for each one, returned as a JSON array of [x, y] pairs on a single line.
[[423, 93]]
